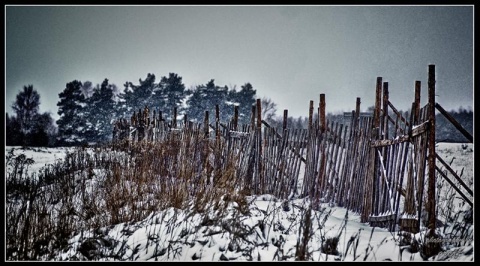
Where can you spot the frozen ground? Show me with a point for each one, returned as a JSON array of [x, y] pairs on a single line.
[[267, 230]]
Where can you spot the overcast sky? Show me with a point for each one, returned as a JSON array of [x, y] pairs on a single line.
[[290, 54]]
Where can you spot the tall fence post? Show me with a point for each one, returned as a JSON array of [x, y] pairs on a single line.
[[259, 146], [357, 113], [376, 132], [217, 121], [421, 177], [285, 119], [323, 161], [432, 247], [322, 113], [252, 118], [431, 149], [385, 110], [235, 117], [418, 86], [206, 130], [385, 193], [310, 117], [174, 118]]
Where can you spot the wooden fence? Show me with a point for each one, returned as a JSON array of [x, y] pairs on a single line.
[[381, 165]]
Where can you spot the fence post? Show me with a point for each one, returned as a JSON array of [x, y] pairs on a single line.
[[417, 102], [206, 130], [432, 247], [385, 111], [310, 118], [357, 113], [174, 118], [206, 164], [377, 132], [260, 144], [323, 161], [285, 119], [322, 113], [252, 119], [235, 118]]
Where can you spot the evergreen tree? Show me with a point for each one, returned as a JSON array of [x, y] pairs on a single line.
[[170, 94], [71, 124], [13, 132], [43, 133], [87, 89], [205, 98], [246, 98], [196, 106], [99, 114], [26, 107], [136, 97]]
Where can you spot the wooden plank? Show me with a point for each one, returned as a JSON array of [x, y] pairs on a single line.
[[398, 114], [334, 183], [415, 132], [454, 122], [389, 142], [339, 199], [454, 186], [454, 174], [382, 218]]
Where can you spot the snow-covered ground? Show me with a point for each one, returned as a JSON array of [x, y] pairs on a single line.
[[264, 229]]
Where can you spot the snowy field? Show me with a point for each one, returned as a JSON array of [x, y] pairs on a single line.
[[268, 230]]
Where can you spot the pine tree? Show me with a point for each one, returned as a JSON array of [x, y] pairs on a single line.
[[135, 97], [195, 105], [170, 94], [43, 132], [13, 132], [245, 98], [100, 113], [205, 98], [71, 124]]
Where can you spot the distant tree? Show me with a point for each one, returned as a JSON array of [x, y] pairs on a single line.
[[26, 107], [195, 105], [170, 94], [205, 98], [44, 131], [135, 97], [13, 132], [245, 98], [269, 109], [71, 124], [100, 114]]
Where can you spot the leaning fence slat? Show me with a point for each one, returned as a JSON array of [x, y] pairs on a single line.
[[454, 122]]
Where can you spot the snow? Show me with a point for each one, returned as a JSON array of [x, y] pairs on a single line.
[[268, 231], [41, 156]]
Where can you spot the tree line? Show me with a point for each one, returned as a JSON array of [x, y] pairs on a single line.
[[87, 112]]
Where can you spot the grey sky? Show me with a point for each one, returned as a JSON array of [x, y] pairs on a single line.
[[288, 53]]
